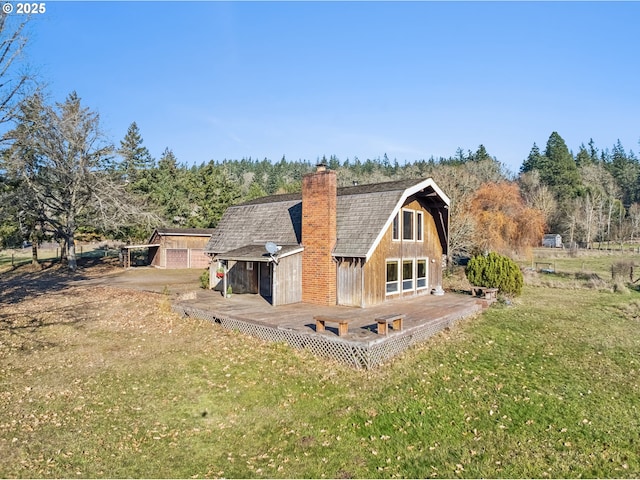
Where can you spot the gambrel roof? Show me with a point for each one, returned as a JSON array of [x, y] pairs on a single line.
[[364, 213]]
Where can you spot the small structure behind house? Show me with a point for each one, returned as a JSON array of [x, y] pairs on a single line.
[[171, 248], [552, 240]]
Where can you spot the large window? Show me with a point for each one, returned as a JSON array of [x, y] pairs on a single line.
[[407, 224], [421, 274], [407, 275], [393, 284]]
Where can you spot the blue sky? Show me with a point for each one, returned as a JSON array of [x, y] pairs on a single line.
[[216, 80]]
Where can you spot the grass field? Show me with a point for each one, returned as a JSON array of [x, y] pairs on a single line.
[[14, 258], [101, 382]]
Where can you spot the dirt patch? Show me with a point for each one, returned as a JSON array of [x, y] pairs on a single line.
[[36, 302], [150, 279], [27, 282]]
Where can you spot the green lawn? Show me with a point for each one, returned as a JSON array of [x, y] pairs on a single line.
[[547, 386]]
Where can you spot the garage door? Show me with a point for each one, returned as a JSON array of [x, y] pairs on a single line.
[[198, 259], [177, 258]]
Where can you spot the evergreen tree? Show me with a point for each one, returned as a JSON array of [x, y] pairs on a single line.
[[562, 172], [168, 189], [583, 157], [480, 154], [535, 161], [136, 159], [211, 191], [625, 169]]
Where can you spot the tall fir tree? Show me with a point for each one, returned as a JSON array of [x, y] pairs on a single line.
[[136, 160], [561, 172]]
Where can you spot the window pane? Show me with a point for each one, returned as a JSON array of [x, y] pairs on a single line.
[[407, 275], [393, 285], [392, 271], [407, 225], [419, 226], [421, 274], [396, 228], [422, 268], [407, 270]]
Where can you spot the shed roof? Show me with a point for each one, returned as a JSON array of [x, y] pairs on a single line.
[[196, 232], [257, 253]]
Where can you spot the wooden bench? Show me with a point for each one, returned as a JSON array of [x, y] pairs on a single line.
[[486, 292], [394, 319], [343, 323]]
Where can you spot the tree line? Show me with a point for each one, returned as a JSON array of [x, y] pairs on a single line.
[[62, 179]]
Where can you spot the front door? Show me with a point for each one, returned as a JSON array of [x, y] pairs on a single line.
[[265, 280]]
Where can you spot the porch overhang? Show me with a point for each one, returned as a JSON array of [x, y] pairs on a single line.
[[143, 245], [257, 253]]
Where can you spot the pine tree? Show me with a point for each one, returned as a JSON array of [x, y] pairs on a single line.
[[562, 172], [535, 161], [135, 157]]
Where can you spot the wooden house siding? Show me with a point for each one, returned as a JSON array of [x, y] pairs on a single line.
[[350, 281], [430, 249], [241, 279], [287, 280]]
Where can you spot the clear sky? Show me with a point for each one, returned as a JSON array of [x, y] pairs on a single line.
[[216, 80]]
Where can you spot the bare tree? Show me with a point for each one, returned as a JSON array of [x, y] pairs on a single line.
[[13, 83], [537, 195], [634, 219], [65, 163]]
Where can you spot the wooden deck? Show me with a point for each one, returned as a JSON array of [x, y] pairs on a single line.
[[361, 346]]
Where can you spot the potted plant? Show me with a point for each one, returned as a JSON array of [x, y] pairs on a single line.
[[220, 272], [229, 291]]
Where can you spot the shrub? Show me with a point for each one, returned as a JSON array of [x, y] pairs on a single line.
[[204, 279], [495, 271]]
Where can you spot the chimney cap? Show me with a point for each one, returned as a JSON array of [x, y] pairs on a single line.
[[321, 167]]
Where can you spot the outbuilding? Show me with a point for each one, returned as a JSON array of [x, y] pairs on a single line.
[[179, 247], [552, 240]]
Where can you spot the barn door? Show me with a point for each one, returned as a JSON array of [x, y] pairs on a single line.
[[266, 280]]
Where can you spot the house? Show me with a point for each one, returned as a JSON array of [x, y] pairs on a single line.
[[356, 246], [179, 247], [552, 240]]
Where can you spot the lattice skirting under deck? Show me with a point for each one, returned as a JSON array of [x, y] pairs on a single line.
[[365, 355]]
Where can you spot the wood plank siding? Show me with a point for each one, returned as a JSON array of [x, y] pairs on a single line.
[[178, 250], [287, 280], [350, 281], [365, 285]]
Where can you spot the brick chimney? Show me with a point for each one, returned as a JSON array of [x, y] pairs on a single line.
[[319, 233]]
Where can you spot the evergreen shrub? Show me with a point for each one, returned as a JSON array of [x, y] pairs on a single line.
[[493, 270], [204, 279]]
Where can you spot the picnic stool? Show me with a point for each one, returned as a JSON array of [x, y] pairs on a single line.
[[394, 319], [343, 323]]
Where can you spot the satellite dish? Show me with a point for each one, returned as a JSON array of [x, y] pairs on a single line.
[[271, 247]]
